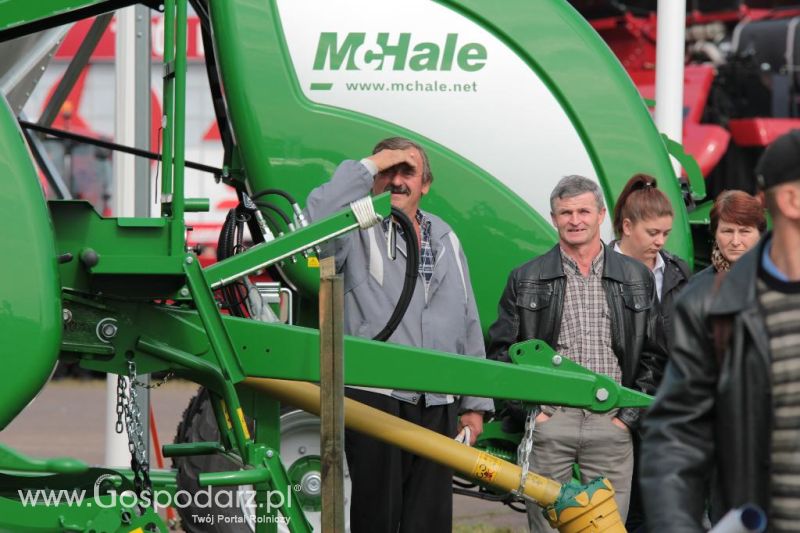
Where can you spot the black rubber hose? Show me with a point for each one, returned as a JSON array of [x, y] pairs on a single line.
[[275, 208], [225, 236], [225, 250], [279, 192], [258, 238], [410, 281]]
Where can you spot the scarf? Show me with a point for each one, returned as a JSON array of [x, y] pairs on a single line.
[[718, 260]]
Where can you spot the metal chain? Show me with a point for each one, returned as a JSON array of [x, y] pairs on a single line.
[[155, 385], [122, 403], [127, 405], [524, 451]]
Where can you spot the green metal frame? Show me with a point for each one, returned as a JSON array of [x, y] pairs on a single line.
[[196, 342]]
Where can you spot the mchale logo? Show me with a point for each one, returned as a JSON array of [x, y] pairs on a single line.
[[396, 53]]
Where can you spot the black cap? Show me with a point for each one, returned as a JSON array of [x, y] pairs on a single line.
[[780, 162]]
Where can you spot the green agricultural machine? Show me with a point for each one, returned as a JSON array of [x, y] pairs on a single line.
[[507, 97]]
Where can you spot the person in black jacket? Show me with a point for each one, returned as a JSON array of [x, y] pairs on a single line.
[[728, 404], [643, 217], [596, 307]]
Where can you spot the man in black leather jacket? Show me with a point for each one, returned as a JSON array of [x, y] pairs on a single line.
[[596, 307], [726, 412]]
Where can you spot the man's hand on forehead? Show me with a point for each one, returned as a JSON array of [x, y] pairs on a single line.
[[389, 158]]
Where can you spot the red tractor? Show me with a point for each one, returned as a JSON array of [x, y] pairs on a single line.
[[741, 85]]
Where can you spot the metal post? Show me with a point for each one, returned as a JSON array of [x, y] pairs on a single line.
[[167, 105], [331, 373], [670, 44], [124, 114], [123, 191], [131, 177], [178, 244], [143, 202]]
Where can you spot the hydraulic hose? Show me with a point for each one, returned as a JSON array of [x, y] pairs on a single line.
[[276, 209], [410, 281], [225, 249], [229, 232], [279, 192], [298, 213]]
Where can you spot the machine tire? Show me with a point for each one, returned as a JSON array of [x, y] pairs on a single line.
[[299, 450], [199, 425]]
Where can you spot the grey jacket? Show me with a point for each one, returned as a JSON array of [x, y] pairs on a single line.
[[444, 317]]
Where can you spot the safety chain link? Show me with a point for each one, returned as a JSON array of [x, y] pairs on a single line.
[[140, 465], [524, 451], [163, 381], [122, 403]]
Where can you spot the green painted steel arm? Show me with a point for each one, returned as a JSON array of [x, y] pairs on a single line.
[[23, 16], [291, 352], [266, 254]]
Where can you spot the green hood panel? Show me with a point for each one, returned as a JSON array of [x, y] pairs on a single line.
[[30, 299], [288, 141]]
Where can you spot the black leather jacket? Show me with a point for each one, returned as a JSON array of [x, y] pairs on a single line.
[[532, 304], [676, 276], [710, 417]]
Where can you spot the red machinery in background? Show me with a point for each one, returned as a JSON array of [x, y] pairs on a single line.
[[741, 82]]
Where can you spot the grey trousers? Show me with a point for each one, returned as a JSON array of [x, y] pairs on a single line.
[[591, 440]]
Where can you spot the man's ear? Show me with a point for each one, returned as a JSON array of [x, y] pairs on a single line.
[[425, 188]]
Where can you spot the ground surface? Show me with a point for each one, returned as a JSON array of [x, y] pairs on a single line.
[[67, 419]]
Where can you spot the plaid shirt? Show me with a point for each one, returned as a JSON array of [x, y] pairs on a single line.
[[585, 335], [426, 257]]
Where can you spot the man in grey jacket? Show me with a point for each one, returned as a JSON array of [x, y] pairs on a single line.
[[392, 489]]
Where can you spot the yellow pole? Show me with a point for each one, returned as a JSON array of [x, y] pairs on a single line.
[[476, 464], [595, 514]]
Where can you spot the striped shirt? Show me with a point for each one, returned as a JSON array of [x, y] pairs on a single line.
[[585, 335], [781, 305]]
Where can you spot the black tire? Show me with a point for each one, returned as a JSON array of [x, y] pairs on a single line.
[[199, 425], [299, 446]]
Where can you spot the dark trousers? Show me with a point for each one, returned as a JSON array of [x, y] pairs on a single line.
[[393, 490], [636, 522]]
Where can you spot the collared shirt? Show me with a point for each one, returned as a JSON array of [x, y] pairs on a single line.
[[426, 257], [658, 270], [585, 335], [769, 265]]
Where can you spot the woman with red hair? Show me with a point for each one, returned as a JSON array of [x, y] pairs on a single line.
[[737, 222]]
